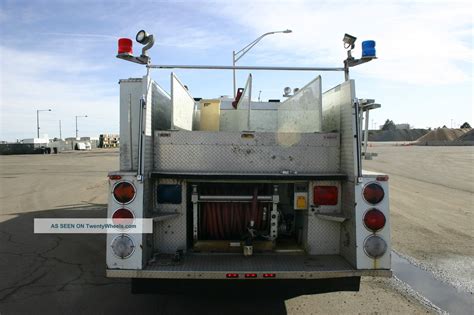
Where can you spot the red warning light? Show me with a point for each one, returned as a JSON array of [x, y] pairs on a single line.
[[125, 46]]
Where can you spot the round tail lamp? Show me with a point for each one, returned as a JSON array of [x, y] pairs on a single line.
[[373, 193], [122, 216], [374, 220], [124, 192]]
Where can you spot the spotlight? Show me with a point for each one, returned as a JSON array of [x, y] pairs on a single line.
[[142, 37], [286, 91], [349, 41]]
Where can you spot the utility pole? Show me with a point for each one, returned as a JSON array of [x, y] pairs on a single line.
[[60, 135], [77, 131], [38, 120]]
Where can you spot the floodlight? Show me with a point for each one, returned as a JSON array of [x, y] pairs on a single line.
[[286, 91], [142, 37], [287, 31], [349, 41]]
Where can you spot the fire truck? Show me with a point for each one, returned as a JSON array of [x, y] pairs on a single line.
[[244, 194]]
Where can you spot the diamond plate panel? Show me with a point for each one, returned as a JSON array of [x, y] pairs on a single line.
[[256, 263], [323, 236], [214, 152]]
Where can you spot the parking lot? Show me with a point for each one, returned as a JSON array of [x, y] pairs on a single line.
[[431, 206]]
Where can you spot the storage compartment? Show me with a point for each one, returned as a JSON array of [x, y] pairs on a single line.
[[227, 216], [201, 152]]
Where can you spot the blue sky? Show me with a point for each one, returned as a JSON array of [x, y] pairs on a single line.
[[61, 55]]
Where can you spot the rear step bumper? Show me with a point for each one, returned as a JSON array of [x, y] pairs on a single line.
[[218, 266], [248, 290]]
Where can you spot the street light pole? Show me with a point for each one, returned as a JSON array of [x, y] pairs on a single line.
[[38, 120], [233, 72], [77, 131], [237, 55]]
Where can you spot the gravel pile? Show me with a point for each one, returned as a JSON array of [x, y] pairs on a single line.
[[468, 136], [443, 134], [396, 135]]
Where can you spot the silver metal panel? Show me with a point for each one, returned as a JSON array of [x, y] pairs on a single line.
[[302, 111], [242, 119], [261, 120], [170, 235], [216, 267], [226, 104], [161, 108], [348, 228], [322, 236], [130, 93], [182, 105], [339, 115], [215, 152]]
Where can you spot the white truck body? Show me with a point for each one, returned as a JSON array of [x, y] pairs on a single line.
[[266, 169]]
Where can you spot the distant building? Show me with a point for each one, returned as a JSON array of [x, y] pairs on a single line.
[[35, 140], [402, 126]]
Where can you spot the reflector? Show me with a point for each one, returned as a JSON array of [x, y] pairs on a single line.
[[374, 220], [375, 246], [382, 178], [123, 246], [124, 192], [373, 193], [325, 195]]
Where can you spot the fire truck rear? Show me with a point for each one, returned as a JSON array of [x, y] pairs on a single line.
[[244, 194]]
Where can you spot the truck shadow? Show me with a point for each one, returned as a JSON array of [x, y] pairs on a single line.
[[65, 273]]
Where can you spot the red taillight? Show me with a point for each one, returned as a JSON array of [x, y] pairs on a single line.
[[325, 195], [250, 275], [269, 275], [122, 216], [232, 275], [373, 193], [125, 46], [124, 192], [374, 219], [115, 177], [382, 178]]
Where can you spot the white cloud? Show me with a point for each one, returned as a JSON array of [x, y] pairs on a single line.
[[418, 43], [70, 86]]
